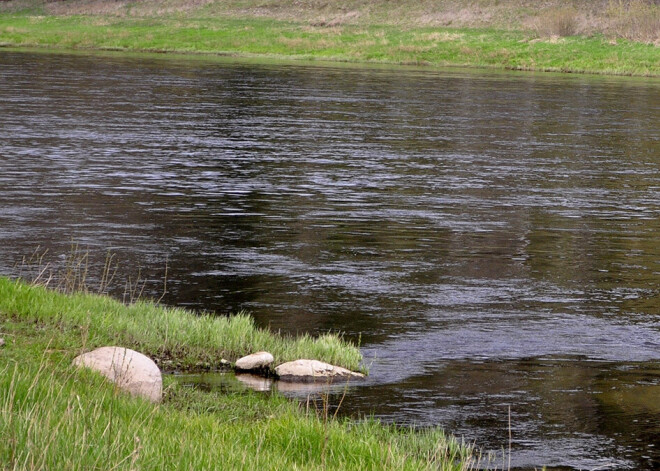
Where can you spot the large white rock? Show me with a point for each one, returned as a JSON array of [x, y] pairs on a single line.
[[255, 361], [130, 370], [313, 370]]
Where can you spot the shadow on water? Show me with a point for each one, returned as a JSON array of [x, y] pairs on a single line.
[[491, 238]]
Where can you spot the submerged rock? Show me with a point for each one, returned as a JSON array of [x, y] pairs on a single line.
[[256, 361], [313, 370], [130, 370]]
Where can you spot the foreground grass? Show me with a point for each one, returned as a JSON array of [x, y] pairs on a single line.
[[175, 337], [263, 37], [53, 416]]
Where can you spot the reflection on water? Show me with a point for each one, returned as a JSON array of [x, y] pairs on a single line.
[[230, 382], [491, 238]]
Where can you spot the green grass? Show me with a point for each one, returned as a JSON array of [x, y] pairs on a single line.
[[390, 44], [173, 336], [55, 416]]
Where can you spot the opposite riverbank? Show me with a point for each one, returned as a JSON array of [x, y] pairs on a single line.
[[55, 416], [607, 38]]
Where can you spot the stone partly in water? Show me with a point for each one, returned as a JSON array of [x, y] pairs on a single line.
[[130, 370], [313, 370], [256, 361]]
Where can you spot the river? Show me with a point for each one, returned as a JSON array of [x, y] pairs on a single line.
[[491, 239]]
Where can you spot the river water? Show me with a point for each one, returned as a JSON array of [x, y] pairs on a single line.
[[491, 239]]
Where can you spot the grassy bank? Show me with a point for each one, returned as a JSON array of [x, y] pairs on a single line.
[[606, 39], [53, 416], [174, 337]]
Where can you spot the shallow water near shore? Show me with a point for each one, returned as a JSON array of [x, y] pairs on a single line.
[[490, 239]]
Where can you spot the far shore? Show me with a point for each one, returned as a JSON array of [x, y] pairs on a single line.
[[553, 40]]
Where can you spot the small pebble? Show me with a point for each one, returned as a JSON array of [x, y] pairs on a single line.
[[2, 342]]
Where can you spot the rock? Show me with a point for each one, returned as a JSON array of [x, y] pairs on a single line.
[[256, 361], [130, 370], [2, 342], [313, 370]]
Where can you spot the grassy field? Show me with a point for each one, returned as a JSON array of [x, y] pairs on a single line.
[[54, 416], [620, 38]]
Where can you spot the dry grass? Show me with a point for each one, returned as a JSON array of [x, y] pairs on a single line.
[[459, 17], [339, 19], [637, 20], [558, 22]]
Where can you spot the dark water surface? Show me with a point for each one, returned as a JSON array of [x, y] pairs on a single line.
[[493, 239]]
